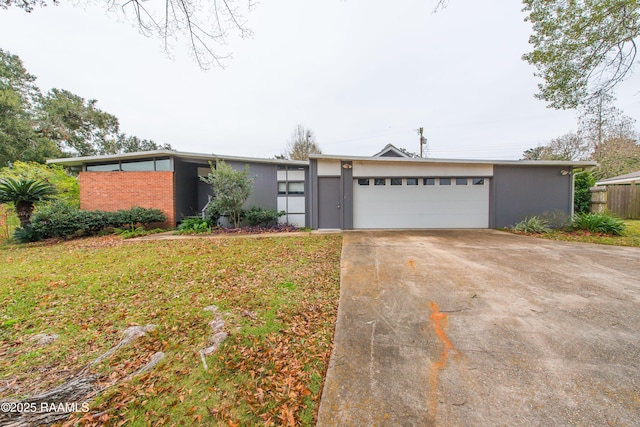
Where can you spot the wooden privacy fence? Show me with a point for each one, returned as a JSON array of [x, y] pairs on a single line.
[[622, 200]]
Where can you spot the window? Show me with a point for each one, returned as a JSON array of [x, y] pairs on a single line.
[[291, 188], [140, 166], [296, 188], [461, 181], [478, 181], [429, 181], [412, 181], [282, 188], [380, 181], [445, 181], [109, 167], [147, 165], [363, 181], [396, 181], [163, 165]]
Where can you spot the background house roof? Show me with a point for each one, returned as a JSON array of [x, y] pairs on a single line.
[[621, 179], [390, 150]]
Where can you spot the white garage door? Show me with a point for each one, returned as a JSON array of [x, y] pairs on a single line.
[[421, 203]]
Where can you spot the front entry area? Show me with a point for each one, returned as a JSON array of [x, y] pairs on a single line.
[[432, 202]]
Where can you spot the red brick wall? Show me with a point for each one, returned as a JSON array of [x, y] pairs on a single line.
[[110, 191]]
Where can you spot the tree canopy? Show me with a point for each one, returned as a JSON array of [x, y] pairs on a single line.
[[581, 48], [201, 25], [302, 144], [36, 126], [605, 134]]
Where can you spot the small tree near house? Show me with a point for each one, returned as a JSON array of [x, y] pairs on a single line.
[[231, 189]]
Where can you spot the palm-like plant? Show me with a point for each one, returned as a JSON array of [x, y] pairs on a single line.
[[23, 193]]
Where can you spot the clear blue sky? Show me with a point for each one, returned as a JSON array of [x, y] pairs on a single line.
[[361, 74]]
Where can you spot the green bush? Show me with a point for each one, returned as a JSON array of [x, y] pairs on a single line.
[[128, 233], [131, 217], [212, 213], [62, 220], [534, 224], [261, 216], [598, 223], [26, 235], [194, 225], [58, 219], [582, 199]]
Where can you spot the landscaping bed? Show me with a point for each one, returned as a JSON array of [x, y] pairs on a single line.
[[629, 237], [65, 305]]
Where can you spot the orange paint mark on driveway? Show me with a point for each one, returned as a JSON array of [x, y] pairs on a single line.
[[439, 322]]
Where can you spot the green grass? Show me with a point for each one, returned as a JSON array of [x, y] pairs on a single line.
[[630, 236], [269, 370]]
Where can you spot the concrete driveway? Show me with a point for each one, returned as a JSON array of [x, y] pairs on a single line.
[[484, 328]]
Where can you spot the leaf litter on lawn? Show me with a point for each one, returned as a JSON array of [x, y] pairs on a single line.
[[269, 371]]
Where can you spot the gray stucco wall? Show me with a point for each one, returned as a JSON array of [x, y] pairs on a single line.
[[520, 191], [265, 184]]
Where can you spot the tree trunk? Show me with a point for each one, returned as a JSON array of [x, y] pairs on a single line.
[[24, 211]]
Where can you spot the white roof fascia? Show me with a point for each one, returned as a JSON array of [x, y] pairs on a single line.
[[78, 161], [574, 164]]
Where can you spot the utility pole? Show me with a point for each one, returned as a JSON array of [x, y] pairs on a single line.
[[423, 141]]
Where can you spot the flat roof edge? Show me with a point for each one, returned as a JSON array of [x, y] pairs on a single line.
[[78, 161], [573, 163]]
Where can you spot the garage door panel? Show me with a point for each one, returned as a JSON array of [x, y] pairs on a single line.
[[421, 206]]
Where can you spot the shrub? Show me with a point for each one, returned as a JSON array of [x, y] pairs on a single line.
[[128, 233], [261, 216], [231, 187], [582, 199], [129, 218], [57, 219], [534, 224], [62, 220], [598, 223], [194, 225], [212, 213], [26, 235]]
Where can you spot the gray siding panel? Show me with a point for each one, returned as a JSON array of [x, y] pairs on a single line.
[[265, 184], [519, 191], [312, 193]]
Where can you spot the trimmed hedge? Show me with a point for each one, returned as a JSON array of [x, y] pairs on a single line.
[[61, 220], [263, 217]]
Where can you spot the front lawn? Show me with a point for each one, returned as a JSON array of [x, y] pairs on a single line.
[[276, 296], [629, 237]]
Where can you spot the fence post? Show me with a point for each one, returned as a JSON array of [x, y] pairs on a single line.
[[598, 199]]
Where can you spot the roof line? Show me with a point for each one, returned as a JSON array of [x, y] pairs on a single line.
[[573, 163], [77, 161]]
